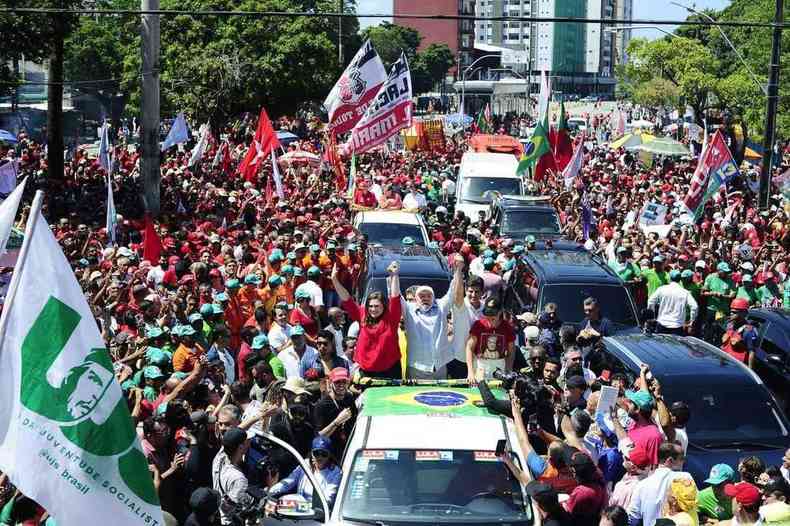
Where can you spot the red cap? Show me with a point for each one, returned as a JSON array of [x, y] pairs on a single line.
[[746, 494], [338, 373], [639, 457], [739, 304]]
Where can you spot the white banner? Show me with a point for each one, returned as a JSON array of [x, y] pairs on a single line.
[[355, 89], [389, 113]]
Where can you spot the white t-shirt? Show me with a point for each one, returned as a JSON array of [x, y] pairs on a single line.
[[279, 336], [316, 294], [463, 318], [414, 201]]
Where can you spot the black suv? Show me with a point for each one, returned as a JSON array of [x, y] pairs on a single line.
[[418, 266], [517, 217], [564, 273], [733, 414], [773, 351]]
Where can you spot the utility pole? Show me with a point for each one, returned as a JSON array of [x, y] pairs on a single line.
[[340, 37], [149, 107], [770, 114], [55, 101]]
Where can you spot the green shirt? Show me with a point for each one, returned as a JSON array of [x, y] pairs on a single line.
[[748, 294], [767, 295], [277, 366], [710, 506], [626, 271], [714, 283], [692, 287], [655, 279]]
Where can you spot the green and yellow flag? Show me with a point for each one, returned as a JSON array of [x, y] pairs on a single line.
[[537, 147]]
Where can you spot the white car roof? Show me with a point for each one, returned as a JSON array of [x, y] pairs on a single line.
[[435, 432], [388, 216], [478, 164]]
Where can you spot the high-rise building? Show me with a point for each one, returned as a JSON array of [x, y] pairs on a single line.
[[575, 53]]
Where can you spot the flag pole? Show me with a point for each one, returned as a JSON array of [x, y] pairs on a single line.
[[35, 210]]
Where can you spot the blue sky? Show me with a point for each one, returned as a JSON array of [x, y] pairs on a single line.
[[643, 9]]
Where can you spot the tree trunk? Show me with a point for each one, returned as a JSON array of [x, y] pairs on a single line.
[[55, 103]]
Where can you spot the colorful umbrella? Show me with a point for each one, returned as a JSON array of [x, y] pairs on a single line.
[[631, 140], [300, 157], [663, 146]]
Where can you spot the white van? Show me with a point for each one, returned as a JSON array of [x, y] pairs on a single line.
[[483, 172]]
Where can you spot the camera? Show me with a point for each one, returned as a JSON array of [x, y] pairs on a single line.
[[529, 391]]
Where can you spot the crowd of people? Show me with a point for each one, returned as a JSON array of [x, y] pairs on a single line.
[[241, 319]]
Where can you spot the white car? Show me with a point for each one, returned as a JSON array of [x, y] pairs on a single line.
[[485, 172], [428, 455], [388, 227]]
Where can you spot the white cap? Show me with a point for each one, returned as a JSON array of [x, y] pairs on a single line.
[[700, 264], [532, 332]]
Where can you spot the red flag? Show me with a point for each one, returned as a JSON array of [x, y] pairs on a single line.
[[265, 141], [546, 164], [560, 140], [337, 163], [152, 245]]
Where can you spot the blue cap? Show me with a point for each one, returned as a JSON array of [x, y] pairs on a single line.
[[275, 280], [408, 241], [152, 372], [233, 283], [187, 330], [352, 247], [686, 274], [206, 309], [302, 294], [298, 272], [291, 255], [217, 309], [720, 473], [153, 332], [298, 330], [251, 279], [287, 269], [315, 248], [260, 341], [314, 271], [488, 253], [530, 239], [518, 249], [213, 356], [722, 267], [321, 443], [156, 356], [642, 399], [222, 296], [674, 274], [195, 316]]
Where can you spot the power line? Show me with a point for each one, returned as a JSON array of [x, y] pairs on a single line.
[[313, 14]]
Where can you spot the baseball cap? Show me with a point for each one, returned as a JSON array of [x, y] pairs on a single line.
[[407, 241], [720, 473], [153, 332], [206, 309], [658, 259], [156, 356], [260, 341], [195, 316], [746, 494], [302, 294], [686, 274], [723, 267], [221, 297], [314, 271], [491, 307], [321, 443], [739, 304], [642, 399], [530, 239], [251, 279], [674, 274], [295, 385], [233, 284], [700, 264], [638, 457], [187, 330], [152, 372], [337, 374], [620, 250], [532, 332], [298, 330]]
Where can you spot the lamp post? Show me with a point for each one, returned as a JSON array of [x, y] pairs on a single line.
[[463, 85]]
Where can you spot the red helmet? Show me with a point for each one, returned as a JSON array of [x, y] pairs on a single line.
[[739, 304]]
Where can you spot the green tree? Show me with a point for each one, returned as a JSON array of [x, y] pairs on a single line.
[[656, 92], [431, 66], [389, 40]]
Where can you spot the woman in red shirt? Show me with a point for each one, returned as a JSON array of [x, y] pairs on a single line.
[[305, 315], [377, 351], [364, 199]]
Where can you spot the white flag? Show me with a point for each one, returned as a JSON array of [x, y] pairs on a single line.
[[66, 437], [8, 174], [200, 147], [8, 210], [574, 167], [112, 217], [104, 148], [278, 182], [543, 100]]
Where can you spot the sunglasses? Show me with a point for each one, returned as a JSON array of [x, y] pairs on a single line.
[[320, 453]]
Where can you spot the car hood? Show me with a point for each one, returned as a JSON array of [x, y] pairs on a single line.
[[699, 461]]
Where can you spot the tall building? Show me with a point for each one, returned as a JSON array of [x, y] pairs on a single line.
[[582, 56], [457, 34]]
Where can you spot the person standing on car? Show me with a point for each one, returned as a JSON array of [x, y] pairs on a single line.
[[467, 309], [670, 303], [491, 343], [740, 336], [426, 329], [377, 351]]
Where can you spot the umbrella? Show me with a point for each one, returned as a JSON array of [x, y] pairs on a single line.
[[300, 157], [7, 136], [286, 137], [663, 146], [630, 140]]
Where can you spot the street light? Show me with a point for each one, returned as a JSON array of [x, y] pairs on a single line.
[[760, 86], [624, 28]]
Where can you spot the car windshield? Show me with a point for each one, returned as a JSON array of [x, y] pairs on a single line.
[[715, 405], [536, 221], [439, 286], [391, 234], [612, 300], [446, 487], [473, 188]]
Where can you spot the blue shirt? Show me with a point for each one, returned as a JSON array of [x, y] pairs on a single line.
[[311, 359], [328, 479]]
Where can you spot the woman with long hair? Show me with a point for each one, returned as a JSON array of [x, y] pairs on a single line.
[[377, 351], [324, 468]]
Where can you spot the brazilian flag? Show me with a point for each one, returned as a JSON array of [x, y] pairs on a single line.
[[537, 147]]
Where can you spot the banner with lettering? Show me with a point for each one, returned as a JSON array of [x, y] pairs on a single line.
[[716, 167], [389, 113], [355, 89]]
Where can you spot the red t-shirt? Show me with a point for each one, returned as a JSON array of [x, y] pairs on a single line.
[[310, 325], [587, 500], [492, 342], [648, 437], [365, 198], [377, 345]]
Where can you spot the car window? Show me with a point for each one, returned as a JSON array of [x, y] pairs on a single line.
[[448, 486], [472, 188], [391, 234], [723, 410], [776, 341], [543, 222], [612, 299]]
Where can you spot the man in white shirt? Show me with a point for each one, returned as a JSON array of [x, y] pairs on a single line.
[[291, 356], [649, 494], [426, 332], [672, 301], [414, 200], [312, 288], [466, 310]]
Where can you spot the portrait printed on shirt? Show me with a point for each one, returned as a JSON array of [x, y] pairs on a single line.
[[493, 346]]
